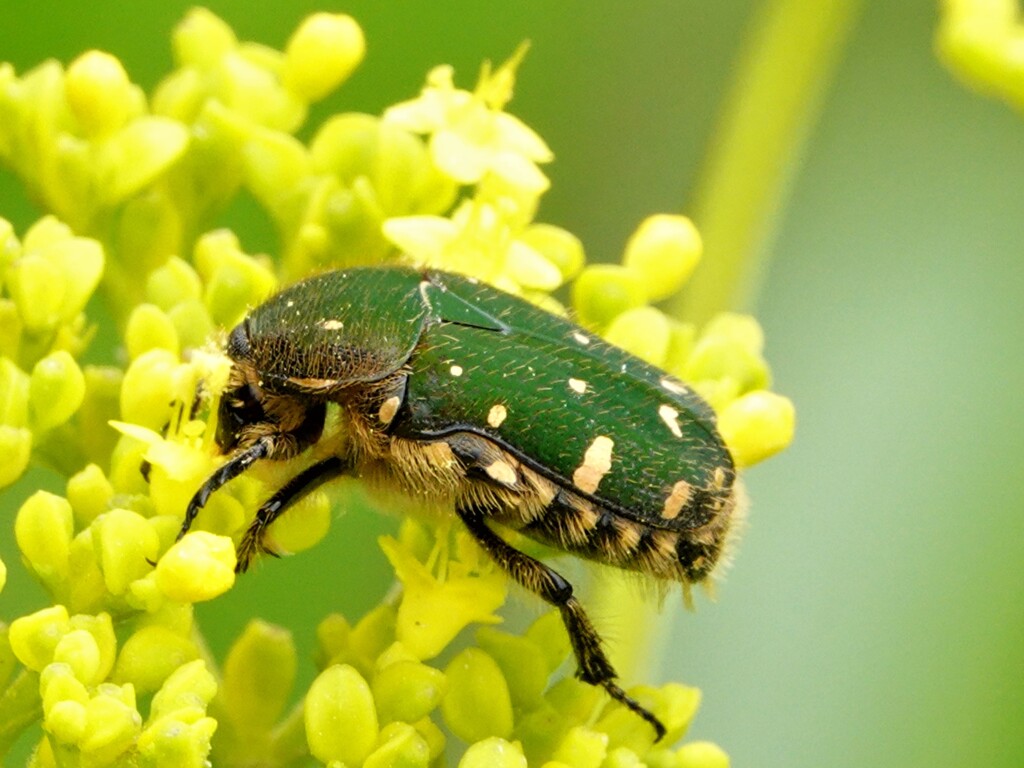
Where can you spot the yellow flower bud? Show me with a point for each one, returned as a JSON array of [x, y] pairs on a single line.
[[37, 288], [340, 717], [66, 721], [14, 394], [494, 753], [305, 525], [757, 425], [188, 689], [125, 544], [258, 676], [89, 493], [622, 757], [199, 567], [56, 390], [16, 448], [701, 754], [150, 655], [174, 282], [112, 725], [321, 54], [408, 691], [604, 291], [202, 38], [99, 93], [523, 663], [400, 745], [664, 250], [150, 328], [79, 651], [43, 529], [34, 637], [644, 331], [478, 704], [100, 628], [137, 155], [153, 381], [582, 747], [57, 684], [172, 742], [532, 269], [559, 246]]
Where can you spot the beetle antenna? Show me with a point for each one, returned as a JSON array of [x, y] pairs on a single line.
[[226, 472]]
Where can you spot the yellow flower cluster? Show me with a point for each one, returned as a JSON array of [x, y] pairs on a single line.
[[131, 182]]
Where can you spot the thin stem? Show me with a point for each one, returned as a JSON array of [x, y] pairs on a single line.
[[20, 706], [784, 69]]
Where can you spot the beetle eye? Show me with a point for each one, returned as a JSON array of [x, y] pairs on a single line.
[[238, 409]]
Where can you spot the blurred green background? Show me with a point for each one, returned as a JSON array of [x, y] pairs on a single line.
[[875, 613]]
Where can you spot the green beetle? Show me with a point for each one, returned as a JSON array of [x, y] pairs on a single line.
[[454, 391]]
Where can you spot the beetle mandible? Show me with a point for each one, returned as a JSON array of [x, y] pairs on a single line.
[[457, 392]]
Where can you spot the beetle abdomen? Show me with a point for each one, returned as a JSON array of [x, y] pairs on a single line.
[[589, 417]]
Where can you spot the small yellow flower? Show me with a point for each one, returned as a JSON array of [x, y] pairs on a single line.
[[434, 610], [470, 135]]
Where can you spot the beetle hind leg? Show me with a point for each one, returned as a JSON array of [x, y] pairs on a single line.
[[253, 541], [594, 666]]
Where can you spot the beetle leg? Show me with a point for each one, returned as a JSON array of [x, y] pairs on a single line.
[[291, 492], [594, 667], [227, 471]]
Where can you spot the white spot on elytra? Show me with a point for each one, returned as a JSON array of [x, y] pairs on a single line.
[[673, 386], [331, 325], [670, 416], [676, 500], [455, 370], [581, 338], [502, 472], [388, 409], [597, 460], [578, 385], [496, 415]]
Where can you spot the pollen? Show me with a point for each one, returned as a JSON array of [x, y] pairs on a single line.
[[331, 325], [388, 409], [578, 385], [597, 460], [581, 338], [455, 370], [670, 416], [496, 415], [676, 500], [501, 471]]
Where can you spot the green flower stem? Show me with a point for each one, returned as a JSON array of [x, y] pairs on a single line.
[[784, 70], [781, 78], [20, 706], [289, 739]]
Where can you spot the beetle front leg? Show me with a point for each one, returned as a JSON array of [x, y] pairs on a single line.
[[252, 542], [594, 667]]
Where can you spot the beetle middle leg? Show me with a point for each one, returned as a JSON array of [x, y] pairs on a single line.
[[594, 667], [306, 481]]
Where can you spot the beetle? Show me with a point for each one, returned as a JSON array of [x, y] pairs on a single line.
[[456, 392]]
